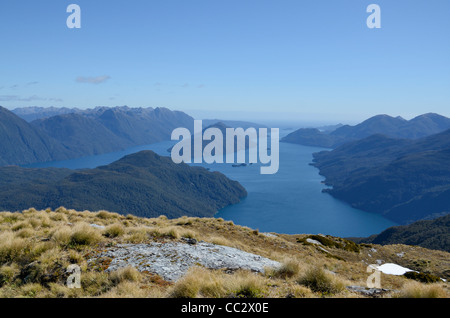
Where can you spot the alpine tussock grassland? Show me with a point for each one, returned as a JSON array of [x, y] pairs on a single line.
[[37, 247]]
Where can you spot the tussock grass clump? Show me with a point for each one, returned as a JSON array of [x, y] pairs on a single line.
[[58, 217], [84, 235], [105, 215], [21, 225], [8, 273], [74, 257], [127, 290], [25, 233], [9, 217], [36, 250], [320, 281], [126, 274], [31, 290], [114, 230], [201, 282], [248, 285], [12, 247], [48, 267], [170, 232], [184, 221], [289, 268], [96, 283], [190, 285], [417, 290], [137, 235], [189, 234], [62, 236], [218, 240], [35, 222], [62, 291]]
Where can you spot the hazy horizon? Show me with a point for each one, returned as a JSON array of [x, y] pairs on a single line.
[[284, 119]]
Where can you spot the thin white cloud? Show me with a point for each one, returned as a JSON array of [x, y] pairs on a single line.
[[16, 98], [93, 80]]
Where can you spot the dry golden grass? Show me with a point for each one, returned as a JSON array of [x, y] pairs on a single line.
[[84, 235], [37, 246], [290, 268], [201, 282], [114, 230], [414, 289], [321, 281]]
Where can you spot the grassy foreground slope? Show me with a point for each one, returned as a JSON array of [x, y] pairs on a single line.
[[36, 247]]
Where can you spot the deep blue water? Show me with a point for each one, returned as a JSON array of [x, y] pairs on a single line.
[[290, 201]]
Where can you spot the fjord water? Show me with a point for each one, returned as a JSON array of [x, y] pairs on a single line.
[[290, 201]]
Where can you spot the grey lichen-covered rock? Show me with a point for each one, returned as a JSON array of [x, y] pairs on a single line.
[[172, 260], [370, 292]]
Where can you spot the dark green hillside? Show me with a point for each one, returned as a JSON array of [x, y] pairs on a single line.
[[369, 152], [14, 175], [22, 143], [81, 134], [402, 179], [311, 137], [141, 126], [143, 184], [432, 234]]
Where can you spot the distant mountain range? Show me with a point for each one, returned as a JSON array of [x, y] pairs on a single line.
[[432, 234], [71, 133], [143, 184], [34, 112], [395, 127], [405, 180]]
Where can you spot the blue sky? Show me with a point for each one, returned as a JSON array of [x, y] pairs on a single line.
[[285, 59]]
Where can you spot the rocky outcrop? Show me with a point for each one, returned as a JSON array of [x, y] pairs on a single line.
[[171, 260]]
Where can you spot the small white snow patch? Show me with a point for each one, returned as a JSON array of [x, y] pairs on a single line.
[[269, 234], [311, 241], [97, 226], [393, 269]]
